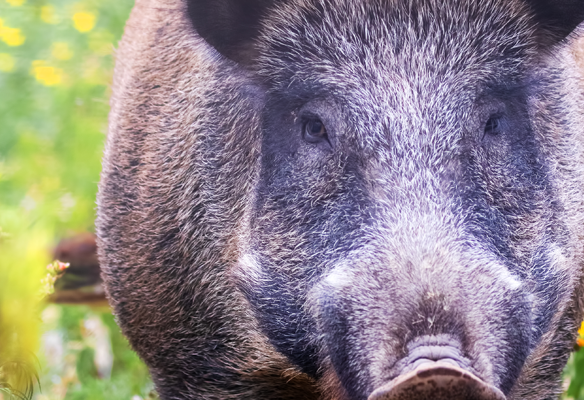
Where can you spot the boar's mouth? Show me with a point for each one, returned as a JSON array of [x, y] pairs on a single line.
[[437, 380]]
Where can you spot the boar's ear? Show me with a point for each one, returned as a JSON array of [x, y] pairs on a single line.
[[558, 18], [230, 26]]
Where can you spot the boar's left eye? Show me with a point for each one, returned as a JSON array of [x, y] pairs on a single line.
[[314, 131], [493, 126]]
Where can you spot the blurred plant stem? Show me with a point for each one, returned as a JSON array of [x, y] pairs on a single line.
[[22, 254]]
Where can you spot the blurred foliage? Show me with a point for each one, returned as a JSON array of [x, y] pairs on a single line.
[[55, 72], [574, 372], [86, 357], [575, 377]]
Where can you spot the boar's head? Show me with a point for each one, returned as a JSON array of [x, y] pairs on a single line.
[[383, 198]]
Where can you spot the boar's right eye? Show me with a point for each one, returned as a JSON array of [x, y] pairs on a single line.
[[493, 126], [314, 131]]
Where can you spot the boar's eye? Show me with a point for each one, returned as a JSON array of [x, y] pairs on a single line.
[[314, 131], [493, 126]]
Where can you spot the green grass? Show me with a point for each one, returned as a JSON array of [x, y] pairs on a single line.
[[76, 335]]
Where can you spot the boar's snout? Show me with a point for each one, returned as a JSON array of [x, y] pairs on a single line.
[[437, 380]]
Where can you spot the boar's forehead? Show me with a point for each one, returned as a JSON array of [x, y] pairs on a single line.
[[405, 64], [410, 66], [401, 54], [405, 68]]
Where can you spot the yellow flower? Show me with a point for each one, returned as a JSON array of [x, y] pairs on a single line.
[[61, 51], [48, 15], [46, 74], [581, 330], [15, 3], [84, 21], [7, 62], [11, 36]]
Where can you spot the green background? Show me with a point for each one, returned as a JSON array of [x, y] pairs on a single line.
[[56, 62]]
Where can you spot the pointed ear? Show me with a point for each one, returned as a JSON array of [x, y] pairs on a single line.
[[558, 18], [230, 26]]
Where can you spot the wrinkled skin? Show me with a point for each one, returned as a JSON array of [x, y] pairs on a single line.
[[345, 199]]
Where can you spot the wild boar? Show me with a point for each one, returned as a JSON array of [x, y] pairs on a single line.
[[347, 199]]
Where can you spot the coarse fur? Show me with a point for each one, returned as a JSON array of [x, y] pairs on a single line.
[[247, 257]]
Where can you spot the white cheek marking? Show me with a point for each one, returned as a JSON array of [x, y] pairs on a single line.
[[249, 267], [557, 262], [338, 278], [557, 258], [508, 278]]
